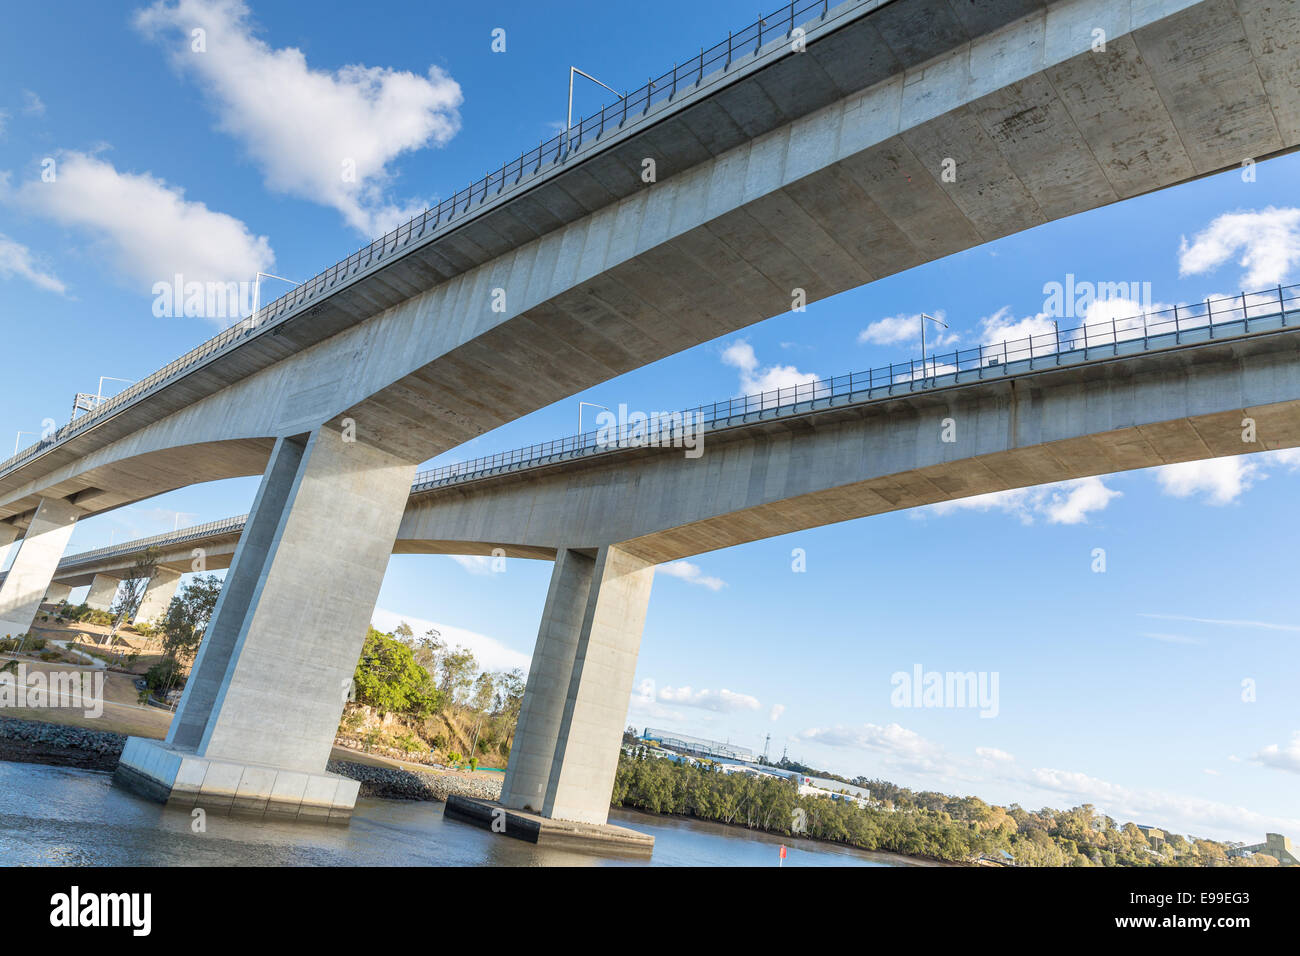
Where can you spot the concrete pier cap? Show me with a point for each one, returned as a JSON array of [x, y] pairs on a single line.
[[181, 778]]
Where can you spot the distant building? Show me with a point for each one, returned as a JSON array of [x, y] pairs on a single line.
[[1275, 845], [698, 746], [1155, 836]]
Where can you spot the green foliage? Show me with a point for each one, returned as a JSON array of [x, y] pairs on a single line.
[[388, 678], [181, 628], [927, 824], [131, 591], [164, 676]]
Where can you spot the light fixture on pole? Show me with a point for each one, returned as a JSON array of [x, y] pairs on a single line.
[[18, 438], [257, 287], [99, 395], [580, 407], [568, 125], [924, 317]]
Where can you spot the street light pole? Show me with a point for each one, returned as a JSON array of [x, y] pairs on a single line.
[[257, 287], [924, 317], [568, 125], [99, 395], [580, 407]]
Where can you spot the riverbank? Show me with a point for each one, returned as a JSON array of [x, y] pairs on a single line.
[[61, 745], [636, 816]]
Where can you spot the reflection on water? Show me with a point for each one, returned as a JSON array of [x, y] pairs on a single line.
[[65, 817]]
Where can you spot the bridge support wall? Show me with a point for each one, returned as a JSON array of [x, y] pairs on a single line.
[[260, 711], [103, 590], [33, 566], [56, 593], [158, 594], [9, 536], [571, 721]]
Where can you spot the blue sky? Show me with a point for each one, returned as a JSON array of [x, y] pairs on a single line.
[[1121, 688]]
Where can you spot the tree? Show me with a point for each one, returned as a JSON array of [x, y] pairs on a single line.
[[388, 678], [457, 669], [188, 615], [132, 589]]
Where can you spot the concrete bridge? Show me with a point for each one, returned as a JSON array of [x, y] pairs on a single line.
[[781, 162], [1121, 395]]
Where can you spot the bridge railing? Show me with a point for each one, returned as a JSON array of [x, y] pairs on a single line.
[[690, 74], [167, 538], [1223, 316], [1241, 314]]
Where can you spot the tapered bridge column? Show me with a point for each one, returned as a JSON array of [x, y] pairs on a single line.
[[9, 535], [566, 746], [103, 591], [158, 594], [56, 593], [260, 710], [33, 566]]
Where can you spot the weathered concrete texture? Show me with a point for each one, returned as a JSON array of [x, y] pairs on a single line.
[[9, 535], [773, 475], [571, 721], [103, 591], [33, 566], [290, 623], [56, 593], [832, 196], [158, 594], [162, 773], [561, 834], [542, 712]]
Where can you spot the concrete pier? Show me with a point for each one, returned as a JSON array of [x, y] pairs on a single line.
[[56, 593], [33, 566], [263, 703], [103, 591], [562, 834], [566, 747], [158, 594]]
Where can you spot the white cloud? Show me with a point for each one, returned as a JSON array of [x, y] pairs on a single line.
[[149, 229], [306, 127], [1268, 240], [776, 712], [17, 260], [32, 104], [473, 563], [687, 571], [903, 749], [992, 753], [721, 701], [904, 328], [1281, 757], [1065, 502], [1181, 814], [1003, 326], [753, 378], [1219, 480], [1266, 625], [491, 653]]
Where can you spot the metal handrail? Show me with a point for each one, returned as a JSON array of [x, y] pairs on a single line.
[[167, 537], [983, 361], [451, 211]]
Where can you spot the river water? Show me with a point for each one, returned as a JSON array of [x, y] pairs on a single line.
[[65, 817]]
